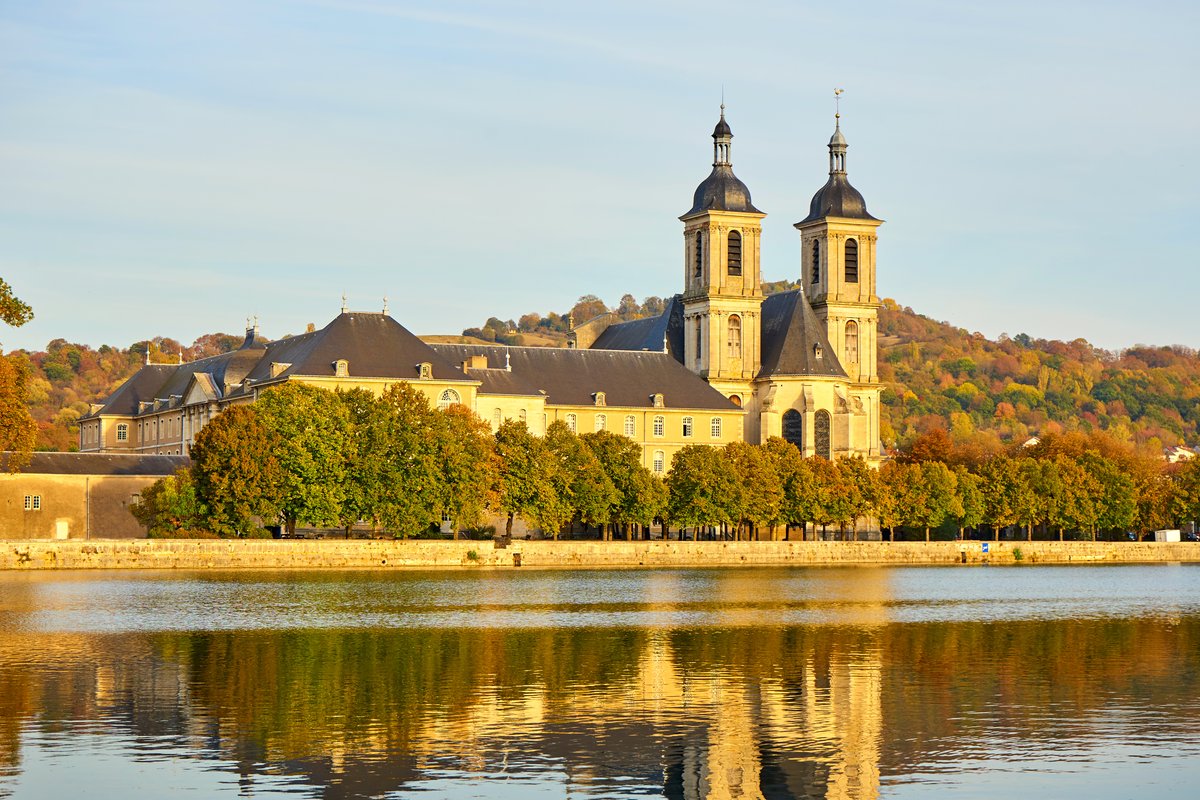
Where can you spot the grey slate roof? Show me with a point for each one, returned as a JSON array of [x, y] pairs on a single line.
[[571, 377], [790, 330], [721, 191], [142, 387], [375, 345], [99, 464], [837, 198], [648, 333]]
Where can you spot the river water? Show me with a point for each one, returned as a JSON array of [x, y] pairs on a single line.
[[957, 682]]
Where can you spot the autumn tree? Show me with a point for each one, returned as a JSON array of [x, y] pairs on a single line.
[[18, 431], [938, 499], [580, 481], [796, 481], [860, 486], [170, 506], [1000, 482], [640, 496], [968, 487], [760, 492], [702, 488], [526, 479], [466, 456]]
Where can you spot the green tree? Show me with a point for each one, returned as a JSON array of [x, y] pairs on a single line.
[[640, 495], [970, 499], [939, 499], [797, 481], [828, 499], [526, 477], [892, 494], [1074, 507], [861, 487], [702, 488], [1001, 486], [1116, 504], [170, 506], [236, 472], [466, 453], [760, 495], [313, 445], [580, 479], [410, 487], [12, 310]]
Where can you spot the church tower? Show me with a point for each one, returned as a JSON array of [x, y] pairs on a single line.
[[722, 297], [837, 247]]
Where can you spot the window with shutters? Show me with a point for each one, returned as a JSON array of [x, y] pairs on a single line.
[[699, 273], [816, 262], [851, 261]]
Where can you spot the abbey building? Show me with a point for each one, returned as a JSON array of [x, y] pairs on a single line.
[[802, 364], [722, 363]]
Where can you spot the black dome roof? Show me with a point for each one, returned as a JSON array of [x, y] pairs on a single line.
[[722, 191], [837, 198], [722, 128]]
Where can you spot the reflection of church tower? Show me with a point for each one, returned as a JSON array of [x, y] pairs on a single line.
[[722, 277], [837, 245]]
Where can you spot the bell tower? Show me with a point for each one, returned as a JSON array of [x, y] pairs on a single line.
[[837, 247], [722, 277]]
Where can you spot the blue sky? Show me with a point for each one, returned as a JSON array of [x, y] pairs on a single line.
[[168, 168]]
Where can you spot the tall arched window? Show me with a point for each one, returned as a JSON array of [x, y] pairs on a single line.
[[630, 426], [496, 419], [601, 422], [734, 260], [572, 422], [699, 342], [793, 427], [851, 342], [851, 261], [821, 435], [448, 398], [816, 262], [735, 337], [699, 255], [660, 462], [122, 432]]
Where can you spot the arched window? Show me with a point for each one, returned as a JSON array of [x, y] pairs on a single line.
[[735, 337], [660, 426], [496, 419], [821, 435], [736, 400], [523, 416], [715, 427], [571, 422], [816, 261], [851, 342], [660, 462], [122, 432], [448, 398], [630, 426], [734, 260], [699, 342], [699, 255], [688, 426], [601, 422], [851, 261], [793, 427]]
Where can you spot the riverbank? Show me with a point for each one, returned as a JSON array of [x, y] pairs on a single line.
[[334, 554]]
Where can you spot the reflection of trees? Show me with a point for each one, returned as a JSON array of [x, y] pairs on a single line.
[[802, 711]]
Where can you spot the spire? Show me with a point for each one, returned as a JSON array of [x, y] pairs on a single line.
[[837, 142], [721, 140]]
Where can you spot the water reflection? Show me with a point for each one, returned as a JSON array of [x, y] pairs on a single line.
[[735, 706]]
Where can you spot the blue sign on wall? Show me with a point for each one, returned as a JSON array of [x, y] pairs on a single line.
[[985, 547]]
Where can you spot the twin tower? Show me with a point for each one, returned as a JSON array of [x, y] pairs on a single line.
[[767, 354]]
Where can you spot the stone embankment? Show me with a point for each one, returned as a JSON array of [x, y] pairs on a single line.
[[333, 554]]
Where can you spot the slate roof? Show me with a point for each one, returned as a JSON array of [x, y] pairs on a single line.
[[374, 345], [648, 333], [571, 377], [721, 191], [790, 329], [142, 387], [99, 464]]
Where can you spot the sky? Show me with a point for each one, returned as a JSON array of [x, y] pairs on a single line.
[[171, 168]]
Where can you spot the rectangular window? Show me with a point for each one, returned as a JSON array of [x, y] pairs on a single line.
[[122, 432], [659, 462], [33, 502], [571, 423], [601, 422], [687, 427], [630, 426], [660, 425], [716, 427]]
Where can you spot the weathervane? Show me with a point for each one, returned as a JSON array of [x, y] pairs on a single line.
[[343, 302], [385, 308], [837, 103]]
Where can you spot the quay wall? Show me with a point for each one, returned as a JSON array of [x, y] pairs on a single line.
[[335, 554]]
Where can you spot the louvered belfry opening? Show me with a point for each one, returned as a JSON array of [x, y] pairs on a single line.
[[851, 261], [735, 253]]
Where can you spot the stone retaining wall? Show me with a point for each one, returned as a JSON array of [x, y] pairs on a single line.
[[333, 554]]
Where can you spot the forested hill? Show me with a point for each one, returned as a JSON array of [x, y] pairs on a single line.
[[985, 392]]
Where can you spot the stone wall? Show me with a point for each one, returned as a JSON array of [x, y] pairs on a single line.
[[327, 554]]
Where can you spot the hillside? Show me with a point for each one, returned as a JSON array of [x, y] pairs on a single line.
[[982, 391]]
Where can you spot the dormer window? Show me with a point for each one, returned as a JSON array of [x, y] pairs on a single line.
[[425, 371], [598, 398], [734, 253], [817, 351], [656, 400], [341, 368]]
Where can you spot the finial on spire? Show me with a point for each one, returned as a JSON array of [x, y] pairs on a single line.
[[837, 105], [508, 360], [343, 302], [385, 305], [255, 324]]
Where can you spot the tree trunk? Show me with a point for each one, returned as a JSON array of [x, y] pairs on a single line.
[[892, 532], [996, 530], [1060, 534], [927, 533], [1029, 532]]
